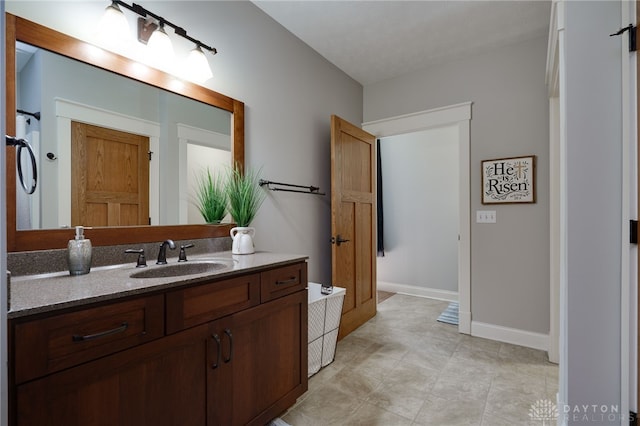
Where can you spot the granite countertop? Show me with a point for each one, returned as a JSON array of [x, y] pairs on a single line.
[[31, 294]]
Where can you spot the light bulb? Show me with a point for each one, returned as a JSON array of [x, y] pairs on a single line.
[[197, 66], [160, 48], [113, 29]]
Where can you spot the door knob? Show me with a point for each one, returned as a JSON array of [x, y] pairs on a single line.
[[338, 240]]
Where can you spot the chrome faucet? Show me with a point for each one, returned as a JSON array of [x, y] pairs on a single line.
[[162, 254]]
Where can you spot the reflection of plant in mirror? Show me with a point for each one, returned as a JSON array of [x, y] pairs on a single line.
[[245, 195], [210, 196]]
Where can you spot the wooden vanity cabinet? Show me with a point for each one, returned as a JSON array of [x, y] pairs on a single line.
[[257, 367], [269, 362], [52, 343], [215, 365], [160, 383]]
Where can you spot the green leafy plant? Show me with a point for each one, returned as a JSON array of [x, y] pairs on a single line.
[[244, 194], [211, 196]]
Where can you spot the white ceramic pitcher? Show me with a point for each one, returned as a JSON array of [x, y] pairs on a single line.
[[242, 237]]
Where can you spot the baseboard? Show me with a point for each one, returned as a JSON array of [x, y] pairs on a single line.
[[412, 290], [510, 335]]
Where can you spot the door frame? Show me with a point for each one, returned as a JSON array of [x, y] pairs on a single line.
[[629, 319], [630, 295], [68, 111], [456, 115]]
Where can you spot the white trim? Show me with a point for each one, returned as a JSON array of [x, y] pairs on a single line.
[[556, 85], [554, 229], [514, 336], [67, 111], [417, 121], [555, 193], [36, 208], [412, 290], [563, 375], [459, 114], [464, 233], [628, 261], [553, 61]]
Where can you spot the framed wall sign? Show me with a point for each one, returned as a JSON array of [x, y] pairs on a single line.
[[509, 180]]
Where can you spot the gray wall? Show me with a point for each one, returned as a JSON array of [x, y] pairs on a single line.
[[593, 201], [420, 201], [289, 92], [509, 259]]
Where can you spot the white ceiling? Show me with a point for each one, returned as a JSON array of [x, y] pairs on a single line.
[[376, 40]]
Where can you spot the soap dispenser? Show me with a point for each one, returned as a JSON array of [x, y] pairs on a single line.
[[79, 253]]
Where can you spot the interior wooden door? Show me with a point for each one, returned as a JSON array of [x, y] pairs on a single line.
[[109, 177], [353, 221]]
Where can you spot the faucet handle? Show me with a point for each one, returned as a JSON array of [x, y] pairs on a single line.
[[182, 257], [142, 260]]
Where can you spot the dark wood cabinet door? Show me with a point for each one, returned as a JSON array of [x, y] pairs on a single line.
[[269, 361], [219, 373], [160, 383]]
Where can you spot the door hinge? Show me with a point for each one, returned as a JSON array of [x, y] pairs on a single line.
[[632, 36], [633, 231], [150, 154]]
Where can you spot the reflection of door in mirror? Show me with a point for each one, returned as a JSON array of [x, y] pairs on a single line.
[[110, 177], [65, 90], [211, 110]]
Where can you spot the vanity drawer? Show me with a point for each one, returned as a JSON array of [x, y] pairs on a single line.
[[57, 342], [203, 303], [282, 281]]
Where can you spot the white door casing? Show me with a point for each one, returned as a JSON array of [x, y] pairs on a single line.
[[460, 115]]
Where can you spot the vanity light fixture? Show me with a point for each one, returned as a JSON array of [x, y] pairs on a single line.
[[197, 67], [157, 40], [113, 28], [159, 46]]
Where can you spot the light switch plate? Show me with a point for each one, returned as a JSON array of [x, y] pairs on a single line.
[[485, 216]]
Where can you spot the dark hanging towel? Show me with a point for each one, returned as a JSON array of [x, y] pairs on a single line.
[[379, 203]]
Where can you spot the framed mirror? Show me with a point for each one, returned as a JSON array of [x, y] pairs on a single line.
[[212, 104]]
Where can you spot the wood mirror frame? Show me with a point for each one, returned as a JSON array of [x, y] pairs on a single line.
[[20, 29]]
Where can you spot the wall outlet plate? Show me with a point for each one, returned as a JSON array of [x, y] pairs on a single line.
[[485, 216]]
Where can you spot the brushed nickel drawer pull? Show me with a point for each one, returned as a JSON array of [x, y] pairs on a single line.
[[77, 338], [289, 281]]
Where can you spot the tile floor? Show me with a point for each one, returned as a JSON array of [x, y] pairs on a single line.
[[405, 368]]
